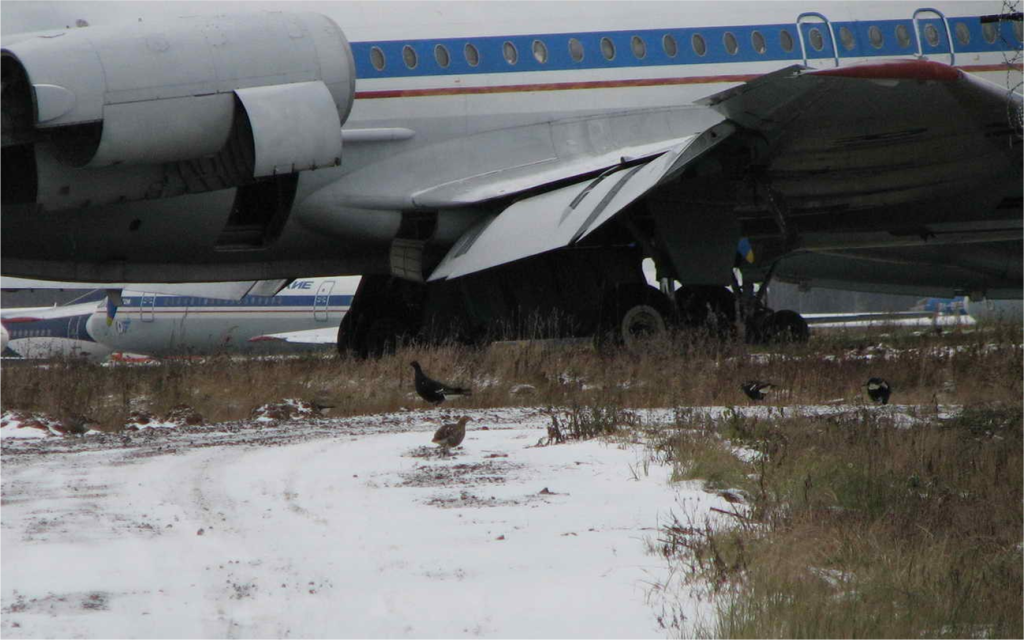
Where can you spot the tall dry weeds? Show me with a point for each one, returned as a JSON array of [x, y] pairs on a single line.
[[683, 369]]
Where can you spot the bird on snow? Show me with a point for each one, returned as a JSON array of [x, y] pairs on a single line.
[[755, 389], [878, 390], [433, 391], [450, 436]]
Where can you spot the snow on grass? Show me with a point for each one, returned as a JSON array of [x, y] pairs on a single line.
[[343, 528], [14, 424]]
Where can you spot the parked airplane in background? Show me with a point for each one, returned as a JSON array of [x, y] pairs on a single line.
[[485, 164], [303, 315]]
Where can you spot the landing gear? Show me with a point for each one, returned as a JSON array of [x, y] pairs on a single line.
[[707, 307], [571, 293], [385, 312], [763, 325], [632, 314]]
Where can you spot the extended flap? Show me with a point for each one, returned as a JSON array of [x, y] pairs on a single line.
[[562, 217]]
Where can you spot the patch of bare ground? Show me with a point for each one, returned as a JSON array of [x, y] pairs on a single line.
[[60, 603], [489, 472], [469, 500]]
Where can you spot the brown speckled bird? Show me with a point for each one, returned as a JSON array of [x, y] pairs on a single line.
[[450, 436]]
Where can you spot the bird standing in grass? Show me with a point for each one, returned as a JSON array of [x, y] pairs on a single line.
[[433, 391], [450, 436], [755, 389], [878, 390]]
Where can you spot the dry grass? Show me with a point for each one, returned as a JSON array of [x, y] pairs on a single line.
[[858, 526], [680, 370], [855, 525]]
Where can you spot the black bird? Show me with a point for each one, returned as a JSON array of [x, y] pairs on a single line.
[[878, 390], [755, 389], [450, 436], [433, 391]]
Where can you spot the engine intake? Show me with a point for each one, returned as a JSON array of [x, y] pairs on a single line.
[[193, 104]]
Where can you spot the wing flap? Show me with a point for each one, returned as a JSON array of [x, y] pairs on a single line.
[[567, 215]]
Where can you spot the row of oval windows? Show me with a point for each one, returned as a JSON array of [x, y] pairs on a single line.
[[668, 43]]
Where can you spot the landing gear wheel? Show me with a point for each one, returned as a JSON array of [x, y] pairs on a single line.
[[635, 314], [788, 326], [707, 307], [778, 327], [639, 322], [382, 337]]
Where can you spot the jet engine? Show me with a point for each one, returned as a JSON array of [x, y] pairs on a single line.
[[102, 115]]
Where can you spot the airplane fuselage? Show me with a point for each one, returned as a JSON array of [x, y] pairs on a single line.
[[165, 325], [446, 92]]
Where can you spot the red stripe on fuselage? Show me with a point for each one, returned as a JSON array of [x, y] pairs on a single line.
[[607, 84], [553, 86]]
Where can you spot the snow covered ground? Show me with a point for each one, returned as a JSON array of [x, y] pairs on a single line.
[[338, 528]]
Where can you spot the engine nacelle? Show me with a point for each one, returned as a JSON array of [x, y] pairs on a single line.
[[108, 114]]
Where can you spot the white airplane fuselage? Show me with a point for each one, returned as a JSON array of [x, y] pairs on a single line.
[[428, 117], [165, 325]]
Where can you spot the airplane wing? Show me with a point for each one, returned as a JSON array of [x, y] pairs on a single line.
[[783, 101], [310, 337], [868, 111], [565, 216]]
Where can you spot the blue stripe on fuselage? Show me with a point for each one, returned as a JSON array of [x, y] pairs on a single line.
[[557, 44], [303, 302]]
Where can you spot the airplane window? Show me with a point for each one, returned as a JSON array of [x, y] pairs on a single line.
[[990, 31], [377, 58], [540, 51], [441, 55], [846, 37], [903, 35], [757, 41], [875, 36], [730, 43], [668, 43], [817, 40], [472, 55], [575, 49], [786, 40], [699, 46], [607, 49], [509, 51], [639, 47], [963, 34], [409, 56], [1017, 30], [931, 34]]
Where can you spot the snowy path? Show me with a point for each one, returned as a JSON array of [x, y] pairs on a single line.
[[341, 528]]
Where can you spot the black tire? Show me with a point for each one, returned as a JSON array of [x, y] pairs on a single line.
[[633, 314], [707, 307], [786, 326], [382, 337]]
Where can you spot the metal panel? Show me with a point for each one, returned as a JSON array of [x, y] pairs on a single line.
[[562, 217], [322, 301], [147, 307], [294, 127], [190, 127]]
